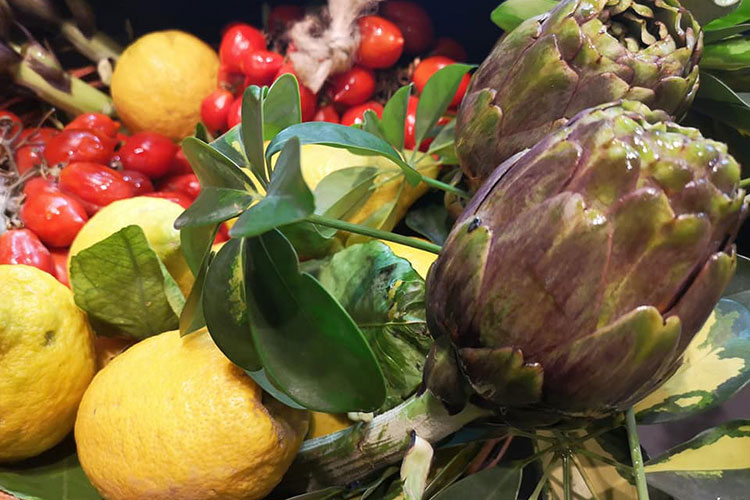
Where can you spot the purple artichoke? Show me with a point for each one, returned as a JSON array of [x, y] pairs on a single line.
[[581, 54], [580, 271]]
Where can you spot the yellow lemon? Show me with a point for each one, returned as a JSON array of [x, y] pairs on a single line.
[[156, 217], [46, 361], [322, 424], [160, 80], [420, 260], [172, 418]]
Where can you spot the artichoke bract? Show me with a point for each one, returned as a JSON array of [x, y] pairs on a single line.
[[581, 54], [580, 271]]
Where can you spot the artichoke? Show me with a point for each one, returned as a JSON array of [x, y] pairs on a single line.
[[581, 54], [580, 271]]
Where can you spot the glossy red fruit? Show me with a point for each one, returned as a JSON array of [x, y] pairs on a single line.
[[30, 150], [233, 81], [39, 184], [381, 43], [148, 152], [450, 48], [326, 114], [414, 22], [97, 122], [428, 67], [353, 87], [10, 123], [21, 246], [238, 40], [139, 181], [222, 234], [186, 183], [180, 164], [260, 66], [215, 108], [282, 16], [235, 113], [308, 98], [79, 145], [60, 261], [355, 114], [55, 217], [94, 185], [180, 198]]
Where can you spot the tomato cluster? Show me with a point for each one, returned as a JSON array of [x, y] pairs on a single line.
[[399, 32], [72, 173]]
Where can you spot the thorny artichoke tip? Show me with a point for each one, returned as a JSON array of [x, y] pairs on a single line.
[[581, 270], [581, 54]]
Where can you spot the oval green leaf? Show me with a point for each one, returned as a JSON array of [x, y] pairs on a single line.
[[213, 206], [213, 168], [508, 15], [494, 483], [393, 122], [281, 107]]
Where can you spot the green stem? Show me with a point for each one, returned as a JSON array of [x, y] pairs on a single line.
[[543, 480], [534, 437], [566, 475], [99, 46], [373, 233], [745, 183], [635, 455], [445, 187], [601, 458]]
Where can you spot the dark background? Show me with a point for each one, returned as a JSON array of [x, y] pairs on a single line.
[[466, 21]]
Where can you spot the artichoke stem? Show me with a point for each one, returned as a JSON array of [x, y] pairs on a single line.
[[97, 47], [635, 455], [354, 453]]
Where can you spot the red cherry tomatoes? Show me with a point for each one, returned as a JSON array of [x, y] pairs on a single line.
[[428, 67], [180, 198], [39, 184], [21, 246], [355, 115], [381, 42], [60, 261], [414, 23], [449, 48], [326, 114], [186, 183], [55, 217], [232, 81], [353, 87], [308, 98], [96, 122], [94, 185], [237, 40], [139, 181], [215, 108], [32, 143], [234, 116], [260, 66], [180, 164], [79, 145], [148, 152]]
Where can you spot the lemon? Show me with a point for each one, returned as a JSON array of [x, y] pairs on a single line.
[[46, 361], [420, 260], [173, 418], [156, 217], [160, 80], [322, 424]]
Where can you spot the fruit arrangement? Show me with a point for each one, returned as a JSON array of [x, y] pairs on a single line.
[[331, 260]]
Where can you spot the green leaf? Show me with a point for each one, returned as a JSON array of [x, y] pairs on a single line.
[[431, 221], [224, 306], [124, 287], [394, 117], [338, 136], [192, 318], [733, 115], [716, 365], [323, 494], [740, 15], [288, 199], [436, 97], [415, 467], [214, 168], [501, 482], [311, 241], [444, 143], [508, 15], [371, 124], [706, 11], [454, 469], [711, 37], [713, 464], [342, 192], [196, 242], [260, 378], [385, 297], [309, 346], [202, 133], [213, 206], [731, 54], [52, 475], [281, 108], [251, 132], [229, 145]]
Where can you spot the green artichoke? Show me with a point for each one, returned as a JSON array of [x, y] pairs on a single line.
[[581, 54], [580, 271]]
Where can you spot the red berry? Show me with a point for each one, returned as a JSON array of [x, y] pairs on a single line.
[[180, 198], [55, 217], [308, 99], [233, 81], [21, 246], [428, 67], [10, 123], [148, 152], [260, 66], [186, 183], [39, 184], [222, 234], [96, 122], [214, 110], [235, 113], [449, 48], [282, 16], [139, 181], [32, 143], [60, 260], [414, 23], [180, 164], [353, 87], [79, 145], [237, 40], [94, 185], [355, 114], [326, 114], [381, 42]]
